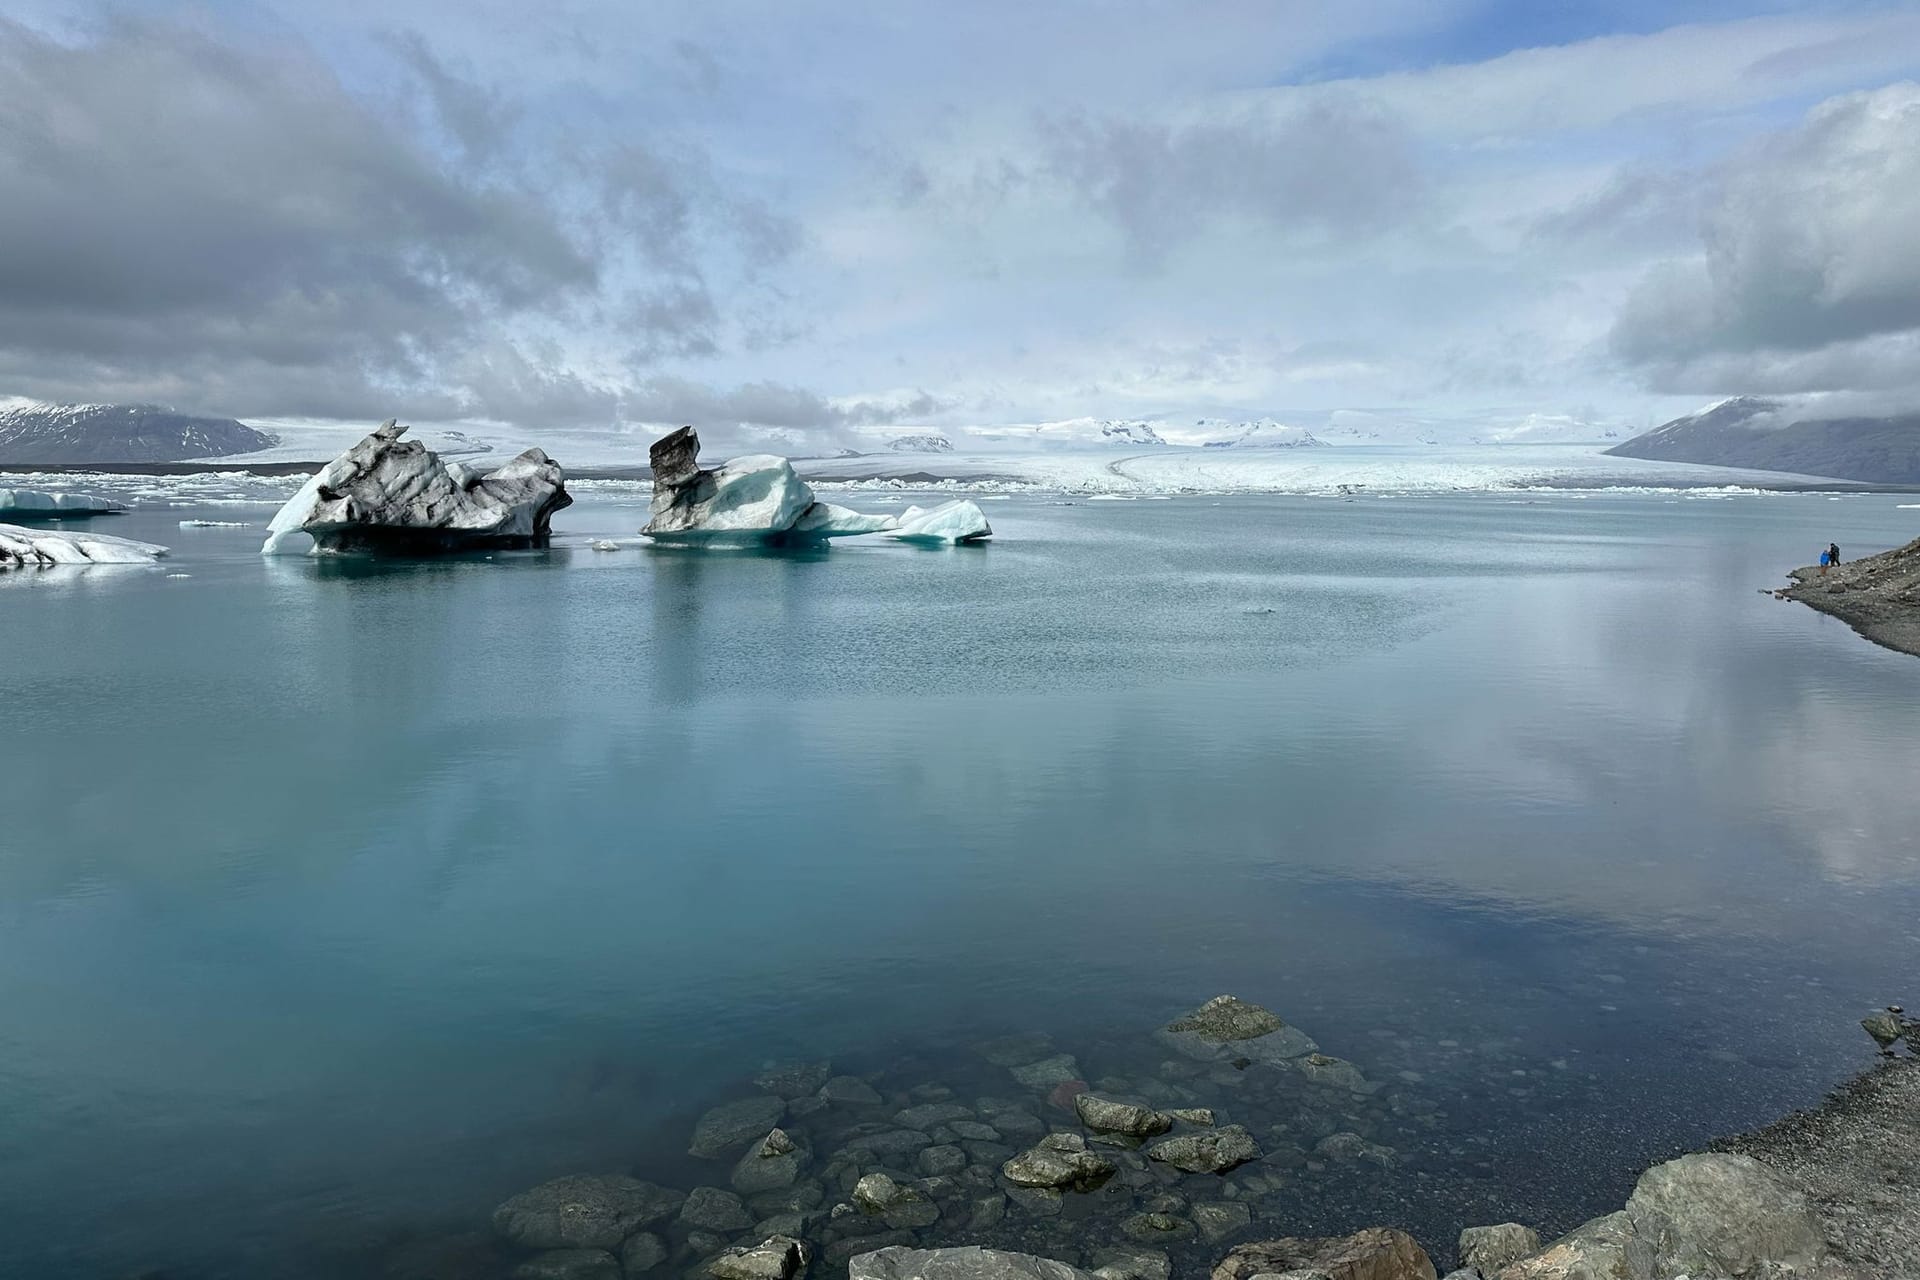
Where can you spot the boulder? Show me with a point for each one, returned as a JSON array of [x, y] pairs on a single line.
[[1047, 1072], [1335, 1073], [1226, 1027], [1607, 1248], [584, 1211], [941, 1161], [1219, 1219], [1487, 1249], [876, 1193], [773, 1164], [967, 1263], [850, 1091], [1377, 1253], [778, 1258], [1157, 1226], [1210, 1151], [734, 1124], [1128, 1119], [793, 1079], [888, 1144], [1125, 1263], [1060, 1162], [569, 1264], [711, 1209], [23, 548], [389, 494], [1722, 1214], [929, 1114], [642, 1252]]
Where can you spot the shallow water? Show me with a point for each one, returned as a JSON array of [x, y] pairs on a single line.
[[340, 901]]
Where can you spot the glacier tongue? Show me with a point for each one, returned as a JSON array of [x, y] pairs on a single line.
[[386, 493]]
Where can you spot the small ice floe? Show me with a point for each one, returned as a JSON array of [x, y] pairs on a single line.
[[606, 544], [211, 524], [179, 575], [32, 548]]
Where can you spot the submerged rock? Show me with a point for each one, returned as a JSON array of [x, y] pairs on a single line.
[[778, 1258], [1335, 1073], [584, 1211], [968, 1263], [1127, 1119], [772, 1165], [1377, 1253], [23, 548], [850, 1091], [734, 1123], [1219, 1219], [1226, 1028], [1060, 1161], [570, 1264], [642, 1252], [1211, 1151], [389, 494], [711, 1209], [1059, 1069], [793, 1079]]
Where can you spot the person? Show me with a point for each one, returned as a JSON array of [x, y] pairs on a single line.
[[1833, 552], [1826, 558]]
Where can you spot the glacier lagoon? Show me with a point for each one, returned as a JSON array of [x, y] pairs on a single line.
[[341, 901]]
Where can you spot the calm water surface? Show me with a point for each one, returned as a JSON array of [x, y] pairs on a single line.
[[340, 901]]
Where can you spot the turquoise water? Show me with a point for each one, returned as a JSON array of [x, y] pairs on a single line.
[[339, 901]]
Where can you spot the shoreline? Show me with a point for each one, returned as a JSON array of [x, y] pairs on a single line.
[[1878, 596]]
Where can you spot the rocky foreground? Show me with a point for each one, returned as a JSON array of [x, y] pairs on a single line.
[[1176, 1173], [1878, 596]]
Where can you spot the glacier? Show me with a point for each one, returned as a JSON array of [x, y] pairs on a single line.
[[21, 547], [40, 504], [389, 494]]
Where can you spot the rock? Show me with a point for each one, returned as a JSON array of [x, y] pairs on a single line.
[[850, 1091], [1212, 1151], [967, 1263], [1063, 1094], [792, 1080], [938, 1162], [1335, 1073], [1351, 1146], [1012, 1051], [1193, 1115], [951, 522], [987, 1211], [584, 1211], [1377, 1253], [1047, 1072], [1607, 1248], [974, 1131], [1722, 1214], [889, 1144], [840, 1251], [1110, 1115], [772, 1165], [930, 1114], [1132, 1264], [1226, 1028], [711, 1209], [734, 1123], [1487, 1249], [569, 1264], [778, 1258], [1059, 1161], [1885, 1027], [386, 493], [1464, 1273], [1036, 1202], [23, 548], [642, 1252], [1219, 1219], [876, 1193], [1157, 1226]]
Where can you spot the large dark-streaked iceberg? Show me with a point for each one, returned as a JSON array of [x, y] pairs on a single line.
[[389, 494], [22, 548], [758, 500]]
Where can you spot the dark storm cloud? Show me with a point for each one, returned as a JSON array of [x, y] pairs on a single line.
[[1809, 278], [1331, 165], [230, 228]]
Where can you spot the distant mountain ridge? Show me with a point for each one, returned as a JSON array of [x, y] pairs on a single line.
[[1764, 435], [69, 433]]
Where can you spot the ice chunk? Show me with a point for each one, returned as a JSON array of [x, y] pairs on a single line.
[[39, 504], [757, 498], [23, 548], [950, 522], [824, 520], [386, 493]]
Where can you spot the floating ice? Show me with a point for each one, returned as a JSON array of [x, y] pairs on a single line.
[[28, 548], [950, 522], [386, 493], [214, 524], [38, 504]]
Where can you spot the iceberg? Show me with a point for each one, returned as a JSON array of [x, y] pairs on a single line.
[[35, 548], [37, 504], [389, 494], [824, 520], [944, 525]]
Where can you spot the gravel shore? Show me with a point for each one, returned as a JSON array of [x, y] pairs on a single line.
[[1878, 596]]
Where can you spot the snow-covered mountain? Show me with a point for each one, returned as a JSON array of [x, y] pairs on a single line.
[[66, 433], [1767, 435], [927, 443], [1263, 433]]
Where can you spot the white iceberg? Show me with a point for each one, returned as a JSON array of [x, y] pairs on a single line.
[[31, 504], [390, 494], [824, 520], [33, 548], [946, 524]]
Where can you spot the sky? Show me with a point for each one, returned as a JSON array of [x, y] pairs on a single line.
[[840, 219]]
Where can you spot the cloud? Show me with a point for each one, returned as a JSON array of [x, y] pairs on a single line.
[[227, 226], [1808, 273]]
